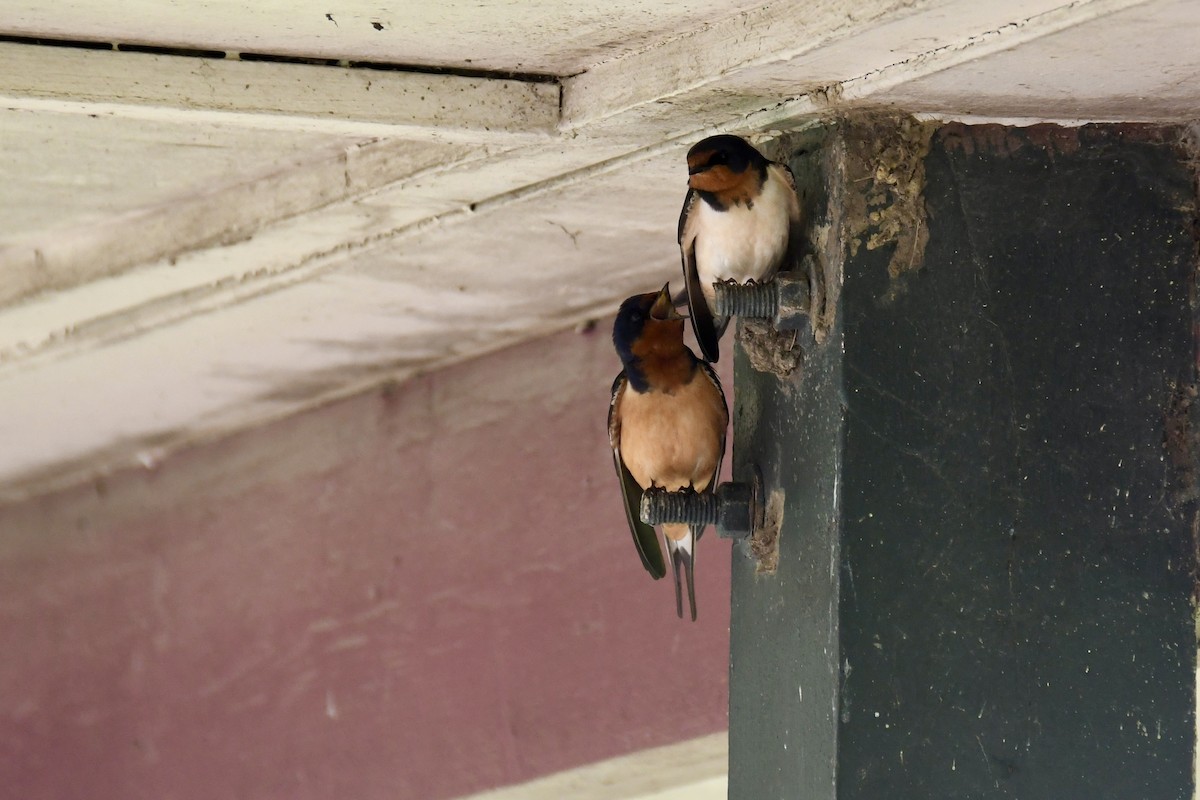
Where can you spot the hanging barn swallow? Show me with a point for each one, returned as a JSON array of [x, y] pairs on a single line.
[[666, 424], [736, 224]]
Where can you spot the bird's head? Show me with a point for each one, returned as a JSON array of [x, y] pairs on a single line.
[[647, 324], [720, 163]]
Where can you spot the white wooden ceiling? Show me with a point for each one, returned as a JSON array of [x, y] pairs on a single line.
[[216, 213]]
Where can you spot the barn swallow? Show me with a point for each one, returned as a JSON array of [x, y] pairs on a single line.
[[736, 224], [666, 425]]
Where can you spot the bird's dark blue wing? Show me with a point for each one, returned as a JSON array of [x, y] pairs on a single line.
[[711, 375], [644, 536], [703, 324]]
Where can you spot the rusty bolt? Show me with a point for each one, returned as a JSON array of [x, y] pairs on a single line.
[[784, 299], [736, 509]]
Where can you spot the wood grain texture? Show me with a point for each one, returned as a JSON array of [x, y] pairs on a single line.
[[392, 97]]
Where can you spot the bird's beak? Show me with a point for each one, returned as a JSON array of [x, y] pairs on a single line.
[[663, 308]]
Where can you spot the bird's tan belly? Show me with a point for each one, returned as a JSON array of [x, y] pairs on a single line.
[[672, 441]]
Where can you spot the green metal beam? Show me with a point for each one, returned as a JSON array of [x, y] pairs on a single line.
[[987, 471]]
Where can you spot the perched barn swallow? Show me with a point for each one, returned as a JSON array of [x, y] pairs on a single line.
[[666, 424], [736, 224]]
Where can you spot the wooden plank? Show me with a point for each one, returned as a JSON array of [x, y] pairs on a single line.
[[800, 58], [319, 320], [559, 38], [317, 92], [701, 56], [694, 770], [206, 215]]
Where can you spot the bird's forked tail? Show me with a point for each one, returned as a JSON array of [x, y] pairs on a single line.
[[683, 555]]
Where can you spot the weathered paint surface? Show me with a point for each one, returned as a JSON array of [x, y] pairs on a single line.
[[418, 592], [1069, 71], [532, 37], [415, 308], [194, 187]]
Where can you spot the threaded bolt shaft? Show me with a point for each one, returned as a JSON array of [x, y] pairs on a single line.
[[734, 299], [735, 509], [692, 508], [784, 299]]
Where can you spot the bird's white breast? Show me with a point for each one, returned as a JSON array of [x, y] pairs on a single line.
[[743, 243]]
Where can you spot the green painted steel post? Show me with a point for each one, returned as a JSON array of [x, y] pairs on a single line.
[[986, 472]]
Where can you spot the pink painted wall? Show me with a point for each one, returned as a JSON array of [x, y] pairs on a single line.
[[419, 592]]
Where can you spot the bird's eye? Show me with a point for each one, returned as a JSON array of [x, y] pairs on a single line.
[[718, 158], [637, 316]]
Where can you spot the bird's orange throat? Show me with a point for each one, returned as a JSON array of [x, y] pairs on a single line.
[[728, 187], [663, 360], [715, 179], [660, 337]]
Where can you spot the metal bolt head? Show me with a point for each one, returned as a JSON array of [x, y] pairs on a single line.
[[794, 301], [734, 517]]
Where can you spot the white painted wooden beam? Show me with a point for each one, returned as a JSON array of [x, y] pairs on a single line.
[[208, 215], [813, 55], [1088, 83], [709, 53], [467, 188], [794, 50], [167, 375], [309, 91], [692, 770]]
